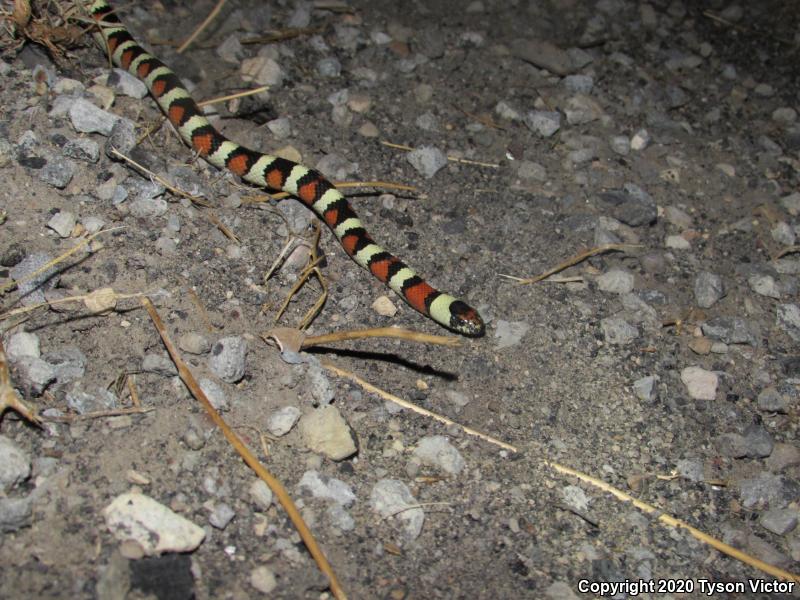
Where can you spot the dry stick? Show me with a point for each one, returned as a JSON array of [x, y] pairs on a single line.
[[406, 404], [572, 261], [785, 251], [9, 398], [136, 410], [678, 524], [619, 494], [275, 485], [395, 332], [464, 161], [82, 298], [211, 16], [55, 261]]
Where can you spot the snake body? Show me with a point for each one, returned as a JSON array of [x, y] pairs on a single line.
[[276, 173]]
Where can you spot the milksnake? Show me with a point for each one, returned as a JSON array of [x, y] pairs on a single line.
[[276, 173]]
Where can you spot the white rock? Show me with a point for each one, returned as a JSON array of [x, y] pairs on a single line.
[[152, 525], [282, 420], [324, 430], [701, 384], [437, 451], [263, 579], [391, 498]]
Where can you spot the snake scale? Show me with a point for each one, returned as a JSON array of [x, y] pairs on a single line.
[[276, 173]]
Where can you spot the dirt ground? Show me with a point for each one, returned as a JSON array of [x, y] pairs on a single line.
[[668, 370]]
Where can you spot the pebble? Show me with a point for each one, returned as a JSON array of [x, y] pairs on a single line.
[[544, 55], [691, 469], [509, 333], [575, 497], [126, 84], [764, 285], [32, 375], [437, 451], [618, 331], [644, 388], [318, 384], [329, 67], [261, 494], [15, 465], [282, 420], [194, 343], [327, 488], [227, 359], [700, 383], [531, 171], [281, 127], [82, 149], [215, 394], [88, 118], [325, 431], [427, 160], [157, 529], [543, 122], [95, 399], [791, 203], [221, 515], [15, 513], [784, 116], [582, 84], [678, 217], [161, 364], [581, 109], [616, 281], [263, 579], [262, 70], [779, 521], [783, 233], [763, 489], [22, 344], [731, 330], [68, 363], [631, 205], [788, 319], [771, 400], [783, 456], [392, 499], [384, 306], [677, 242], [708, 289], [640, 140], [58, 172]]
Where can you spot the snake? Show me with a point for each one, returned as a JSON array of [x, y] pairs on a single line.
[[278, 174]]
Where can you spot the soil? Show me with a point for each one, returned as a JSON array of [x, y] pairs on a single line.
[[507, 525]]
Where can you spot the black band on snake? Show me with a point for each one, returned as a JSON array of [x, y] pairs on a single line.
[[275, 173]]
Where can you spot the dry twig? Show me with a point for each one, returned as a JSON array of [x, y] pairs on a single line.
[[252, 461], [463, 161], [9, 398], [206, 22]]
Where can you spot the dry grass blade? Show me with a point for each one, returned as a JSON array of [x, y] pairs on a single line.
[[413, 407], [61, 258], [786, 251], [281, 35], [206, 22], [573, 261], [243, 94], [310, 269], [107, 296], [276, 486], [678, 524], [393, 332], [9, 398], [136, 410]]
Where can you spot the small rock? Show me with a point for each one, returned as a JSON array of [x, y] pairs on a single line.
[[319, 385], [763, 489], [32, 375], [263, 579], [324, 430], [543, 122], [327, 488], [779, 521], [15, 465], [543, 54], [783, 456], [701, 384], [384, 306], [82, 149], [262, 70], [88, 118], [701, 345], [22, 344], [708, 289], [159, 363], [68, 363], [731, 330], [677, 242], [788, 319], [575, 498], [215, 394], [221, 515], [691, 469], [261, 494], [282, 420], [730, 445], [783, 233], [618, 331], [227, 359], [617, 281], [771, 400], [126, 84], [392, 499], [640, 140], [194, 343], [757, 442], [764, 285], [644, 388], [427, 160], [631, 205], [437, 451], [15, 513], [678, 217], [152, 525]]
